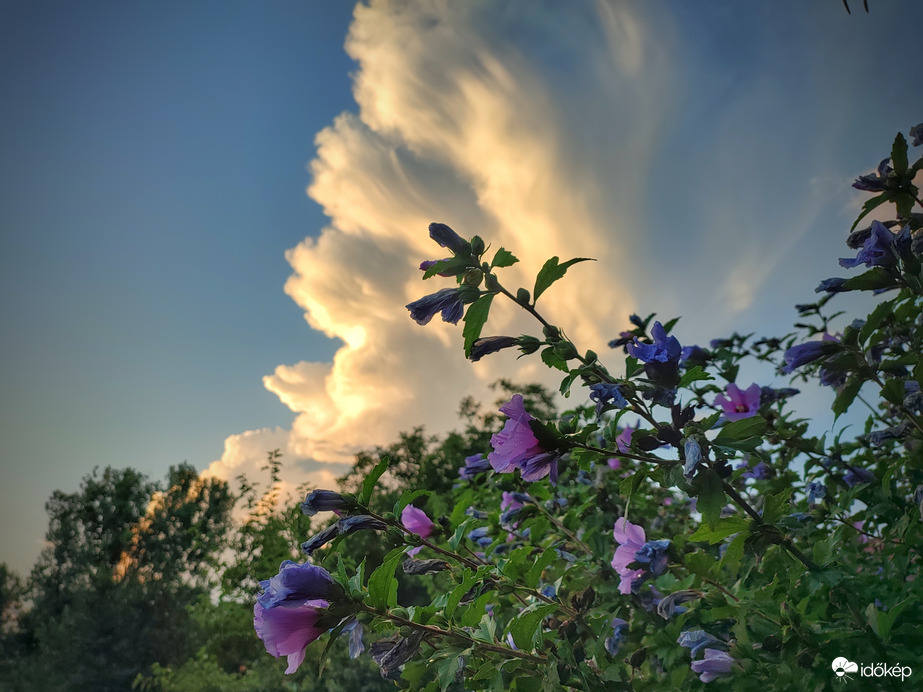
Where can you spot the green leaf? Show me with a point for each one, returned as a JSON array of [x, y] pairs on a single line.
[[694, 375], [893, 391], [846, 395], [699, 563], [734, 553], [453, 265], [456, 594], [334, 635], [504, 258], [535, 571], [710, 499], [740, 430], [721, 529], [775, 505], [407, 497], [899, 154], [369, 483], [875, 319], [475, 318], [383, 584], [551, 272], [874, 278], [525, 627], [515, 563], [887, 618], [824, 550], [551, 358], [869, 205]]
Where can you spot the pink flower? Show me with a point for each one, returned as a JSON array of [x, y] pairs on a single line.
[[739, 404], [288, 628], [416, 521], [623, 443], [515, 443], [631, 539]]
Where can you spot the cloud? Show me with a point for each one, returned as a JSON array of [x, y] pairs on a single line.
[[601, 130]]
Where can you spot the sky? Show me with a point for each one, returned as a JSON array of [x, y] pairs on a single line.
[[211, 213]]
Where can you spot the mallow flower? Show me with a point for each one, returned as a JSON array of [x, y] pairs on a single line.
[[715, 664], [517, 447], [664, 349], [739, 404], [695, 640], [623, 444], [877, 181], [343, 527], [614, 641], [604, 393], [805, 353], [448, 301], [325, 501], [490, 344], [448, 238], [287, 615], [634, 549], [475, 465], [416, 521], [876, 250]]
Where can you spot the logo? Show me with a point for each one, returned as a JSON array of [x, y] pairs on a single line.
[[843, 666]]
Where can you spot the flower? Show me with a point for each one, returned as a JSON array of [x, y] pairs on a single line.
[[876, 251], [857, 475], [816, 491], [604, 393], [416, 521], [296, 583], [739, 404], [694, 640], [474, 465], [668, 606], [446, 237], [490, 344], [831, 285], [354, 629], [623, 444], [805, 353], [517, 447], [760, 472], [664, 349], [325, 501], [447, 301], [876, 182], [286, 615], [654, 553], [614, 641], [630, 538], [917, 133], [715, 664], [693, 453], [341, 528], [392, 652]]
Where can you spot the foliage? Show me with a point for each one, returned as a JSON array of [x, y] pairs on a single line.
[[680, 529]]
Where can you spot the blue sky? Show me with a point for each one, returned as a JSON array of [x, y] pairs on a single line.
[[159, 253]]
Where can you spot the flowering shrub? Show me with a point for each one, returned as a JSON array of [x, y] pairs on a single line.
[[678, 529]]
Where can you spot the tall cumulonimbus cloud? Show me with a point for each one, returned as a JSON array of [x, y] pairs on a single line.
[[495, 119]]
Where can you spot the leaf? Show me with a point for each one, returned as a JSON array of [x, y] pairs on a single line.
[[741, 430], [887, 618], [846, 395], [451, 265], [382, 583], [406, 498], [535, 571], [869, 205], [874, 278], [824, 550], [369, 483], [721, 530], [551, 358], [334, 635], [774, 505], [699, 563], [526, 626], [734, 553], [551, 272], [504, 258], [899, 154], [475, 318], [456, 594], [710, 499], [694, 375]]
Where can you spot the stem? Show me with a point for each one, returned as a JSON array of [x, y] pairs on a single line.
[[564, 530], [618, 453], [442, 551], [438, 632], [721, 589]]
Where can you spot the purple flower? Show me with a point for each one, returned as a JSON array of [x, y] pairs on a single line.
[[516, 442], [325, 501], [917, 133], [832, 285], [341, 528], [426, 264], [816, 491], [296, 583], [694, 640], [479, 536], [623, 444], [287, 630], [664, 349], [876, 182], [604, 394], [630, 538], [447, 301], [446, 237], [857, 475], [668, 606], [614, 642], [490, 344], [805, 353], [654, 554], [540, 465], [693, 454], [514, 500], [416, 521], [474, 465], [876, 251], [739, 404], [354, 630], [715, 664], [760, 472], [696, 355]]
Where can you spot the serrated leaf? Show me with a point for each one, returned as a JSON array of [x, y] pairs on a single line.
[[527, 624], [694, 375], [873, 279], [504, 258], [475, 318], [369, 483], [721, 530], [887, 618], [455, 596], [551, 358], [551, 272], [899, 154], [535, 571], [774, 505], [407, 497], [869, 205], [451, 265], [742, 429], [846, 395], [734, 552], [699, 563], [383, 584], [710, 499]]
